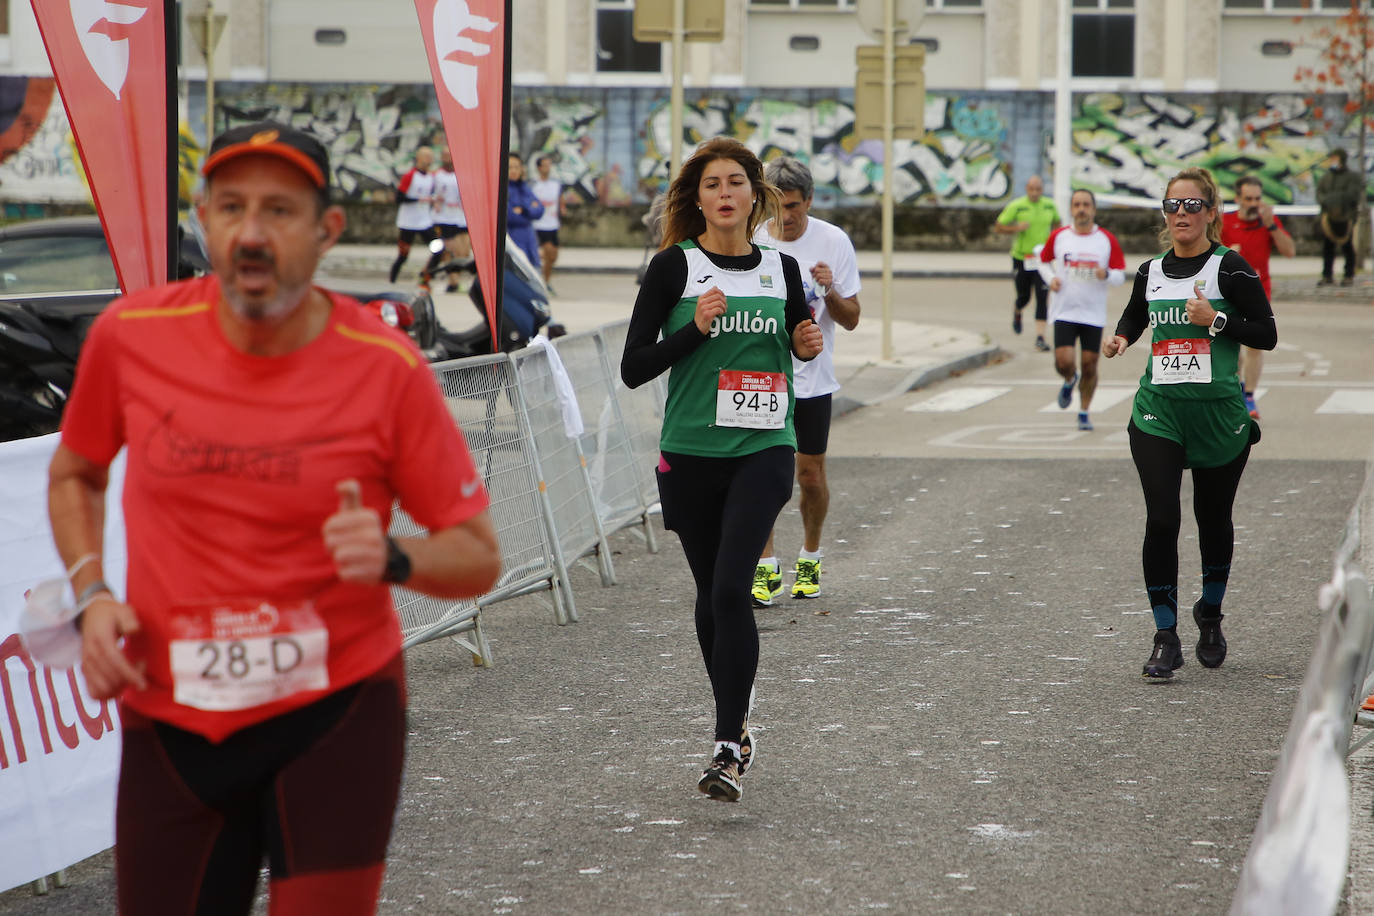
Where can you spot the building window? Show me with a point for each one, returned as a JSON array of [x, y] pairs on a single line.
[[1103, 38], [954, 4], [4, 17], [616, 48]]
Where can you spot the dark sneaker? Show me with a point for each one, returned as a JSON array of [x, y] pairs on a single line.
[[1066, 392], [721, 778], [1347, 281], [1325, 281], [1211, 645], [1041, 345], [1166, 658], [1016, 319], [746, 749]]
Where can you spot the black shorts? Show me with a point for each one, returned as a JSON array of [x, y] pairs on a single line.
[[449, 231], [1066, 333], [547, 236], [313, 791], [407, 236], [811, 420]]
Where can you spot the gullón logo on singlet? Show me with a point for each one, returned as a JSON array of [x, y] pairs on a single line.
[[1173, 315], [742, 322]]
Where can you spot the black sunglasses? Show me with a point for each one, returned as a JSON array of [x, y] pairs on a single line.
[[1189, 204]]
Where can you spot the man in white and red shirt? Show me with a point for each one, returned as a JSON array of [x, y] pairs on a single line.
[[1079, 262], [270, 426], [414, 207], [1254, 232]]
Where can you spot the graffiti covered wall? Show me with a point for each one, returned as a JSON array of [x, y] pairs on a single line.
[[610, 145]]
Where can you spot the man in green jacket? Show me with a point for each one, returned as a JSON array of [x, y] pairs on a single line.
[[1339, 193]]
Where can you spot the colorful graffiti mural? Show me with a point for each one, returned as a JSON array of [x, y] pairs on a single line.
[[964, 156], [610, 144], [1133, 144]]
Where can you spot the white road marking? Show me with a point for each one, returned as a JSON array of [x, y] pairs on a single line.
[[1346, 400], [954, 400], [1104, 398]]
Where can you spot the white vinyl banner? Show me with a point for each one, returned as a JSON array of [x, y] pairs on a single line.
[[59, 749]]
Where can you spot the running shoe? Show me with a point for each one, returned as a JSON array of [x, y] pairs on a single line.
[[767, 584], [1066, 392], [1015, 319], [1166, 658], [1083, 422], [808, 575], [746, 749], [1041, 345], [1251, 406], [1211, 645], [721, 779]]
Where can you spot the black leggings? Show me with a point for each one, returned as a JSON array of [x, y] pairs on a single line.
[[1159, 462], [723, 510], [313, 791], [1027, 281]]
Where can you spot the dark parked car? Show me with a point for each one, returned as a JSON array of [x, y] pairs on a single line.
[[56, 276]]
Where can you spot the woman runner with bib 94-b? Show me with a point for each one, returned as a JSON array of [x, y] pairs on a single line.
[[1201, 301], [725, 315]]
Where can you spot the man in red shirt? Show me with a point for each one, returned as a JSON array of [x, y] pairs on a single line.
[[270, 426], [1253, 231]]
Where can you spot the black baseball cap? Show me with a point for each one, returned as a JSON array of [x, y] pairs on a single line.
[[268, 137]]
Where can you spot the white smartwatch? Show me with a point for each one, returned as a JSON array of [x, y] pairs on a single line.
[[1218, 324]]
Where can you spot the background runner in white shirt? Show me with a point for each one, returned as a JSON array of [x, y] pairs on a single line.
[[415, 207], [1078, 263], [549, 191], [449, 218], [830, 271]]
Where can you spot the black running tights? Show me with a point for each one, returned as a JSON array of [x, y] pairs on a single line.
[[723, 510], [1159, 462]]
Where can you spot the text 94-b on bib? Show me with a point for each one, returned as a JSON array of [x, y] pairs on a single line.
[[1183, 361], [753, 400]]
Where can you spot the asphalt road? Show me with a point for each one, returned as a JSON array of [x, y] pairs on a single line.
[[958, 725]]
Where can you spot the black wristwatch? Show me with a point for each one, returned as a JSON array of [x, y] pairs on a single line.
[[1272, 228], [397, 568], [1218, 324]]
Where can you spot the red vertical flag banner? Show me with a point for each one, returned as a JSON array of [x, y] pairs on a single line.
[[468, 44], [110, 61]]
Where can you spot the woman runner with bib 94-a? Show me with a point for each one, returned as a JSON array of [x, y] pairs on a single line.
[[725, 315], [1201, 302]]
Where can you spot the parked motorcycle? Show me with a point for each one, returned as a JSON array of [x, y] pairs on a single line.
[[524, 307]]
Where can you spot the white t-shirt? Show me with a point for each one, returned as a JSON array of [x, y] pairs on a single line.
[[826, 242], [449, 211], [417, 211], [547, 193], [1075, 258]]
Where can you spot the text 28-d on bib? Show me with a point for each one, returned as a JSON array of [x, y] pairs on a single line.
[[244, 652]]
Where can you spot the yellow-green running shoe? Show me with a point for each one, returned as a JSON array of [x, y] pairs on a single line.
[[808, 584], [767, 584]]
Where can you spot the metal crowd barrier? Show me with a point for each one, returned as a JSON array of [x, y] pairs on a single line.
[[1301, 844], [576, 523], [556, 491], [614, 469]]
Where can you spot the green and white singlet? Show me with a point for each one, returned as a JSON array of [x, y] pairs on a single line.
[[1190, 391], [732, 395]]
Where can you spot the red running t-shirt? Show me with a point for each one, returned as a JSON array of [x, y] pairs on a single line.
[[1251, 241], [232, 466]]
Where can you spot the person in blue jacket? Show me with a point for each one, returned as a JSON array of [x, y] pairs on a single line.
[[522, 209]]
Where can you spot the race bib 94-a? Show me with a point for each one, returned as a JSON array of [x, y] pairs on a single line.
[[1178, 362]]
